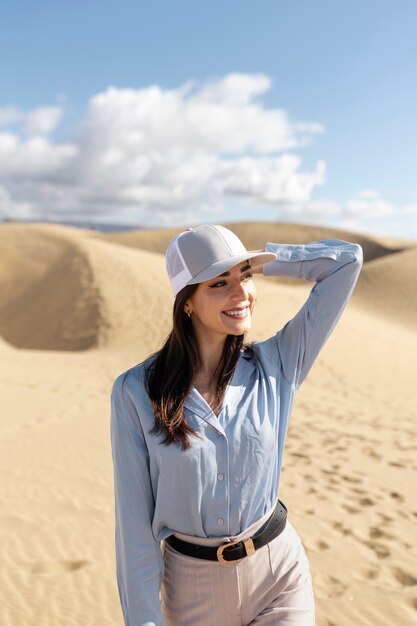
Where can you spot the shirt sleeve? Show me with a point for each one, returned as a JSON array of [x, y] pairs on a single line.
[[139, 562], [334, 265]]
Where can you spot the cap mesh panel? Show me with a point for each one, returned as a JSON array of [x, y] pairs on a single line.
[[174, 263]]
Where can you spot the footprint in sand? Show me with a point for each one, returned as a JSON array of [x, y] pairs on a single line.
[[366, 502], [381, 550], [57, 567], [377, 533], [370, 452], [345, 531], [396, 496], [334, 480], [385, 518], [350, 509], [352, 479], [327, 472], [327, 587], [403, 514], [329, 441], [301, 455], [334, 489], [372, 574], [403, 577]]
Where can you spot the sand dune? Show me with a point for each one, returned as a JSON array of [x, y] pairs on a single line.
[[254, 235], [108, 276], [135, 296], [388, 287], [77, 307], [79, 292]]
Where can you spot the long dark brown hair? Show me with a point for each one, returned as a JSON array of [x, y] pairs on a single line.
[[169, 376]]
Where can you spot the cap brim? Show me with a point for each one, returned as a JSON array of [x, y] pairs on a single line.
[[216, 269]]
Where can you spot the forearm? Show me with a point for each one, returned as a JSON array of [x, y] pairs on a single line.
[[305, 260], [138, 555], [312, 261], [334, 265]]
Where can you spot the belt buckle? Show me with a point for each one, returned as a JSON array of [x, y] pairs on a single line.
[[249, 547]]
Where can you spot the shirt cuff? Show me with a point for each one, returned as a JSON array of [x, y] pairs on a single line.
[[336, 249]]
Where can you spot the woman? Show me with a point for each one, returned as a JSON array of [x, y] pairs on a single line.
[[198, 433]]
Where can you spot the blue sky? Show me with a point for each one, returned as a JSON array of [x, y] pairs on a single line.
[[338, 79]]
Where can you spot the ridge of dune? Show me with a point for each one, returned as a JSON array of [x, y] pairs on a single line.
[[69, 289], [135, 295], [48, 300], [54, 229], [57, 311], [255, 234], [27, 251], [387, 284]]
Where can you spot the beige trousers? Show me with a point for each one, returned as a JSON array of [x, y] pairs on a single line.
[[272, 587]]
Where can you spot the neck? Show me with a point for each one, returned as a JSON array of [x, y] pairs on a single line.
[[210, 351]]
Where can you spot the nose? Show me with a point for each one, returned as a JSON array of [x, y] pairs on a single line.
[[240, 291]]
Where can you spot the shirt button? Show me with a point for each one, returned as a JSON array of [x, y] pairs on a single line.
[[220, 476], [220, 521]]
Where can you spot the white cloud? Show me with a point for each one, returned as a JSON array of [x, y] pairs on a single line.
[[34, 158], [273, 181], [320, 209], [157, 152], [233, 89], [170, 156], [365, 212], [368, 194], [40, 121], [5, 202], [368, 204], [9, 115], [10, 208]]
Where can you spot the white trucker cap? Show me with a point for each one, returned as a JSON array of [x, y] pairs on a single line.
[[204, 252]]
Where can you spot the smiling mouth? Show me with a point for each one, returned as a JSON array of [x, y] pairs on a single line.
[[237, 313]]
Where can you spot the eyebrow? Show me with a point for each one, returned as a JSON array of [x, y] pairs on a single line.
[[243, 269]]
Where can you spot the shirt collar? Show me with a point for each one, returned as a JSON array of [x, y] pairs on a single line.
[[234, 391]]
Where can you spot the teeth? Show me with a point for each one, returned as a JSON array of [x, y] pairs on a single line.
[[237, 313]]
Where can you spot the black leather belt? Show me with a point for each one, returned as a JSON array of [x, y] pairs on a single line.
[[232, 552]]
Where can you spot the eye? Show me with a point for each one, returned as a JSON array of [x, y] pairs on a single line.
[[221, 283], [248, 276]]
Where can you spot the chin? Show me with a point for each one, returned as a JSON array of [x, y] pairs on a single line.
[[240, 331]]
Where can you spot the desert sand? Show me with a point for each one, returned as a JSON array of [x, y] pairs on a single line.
[[78, 307]]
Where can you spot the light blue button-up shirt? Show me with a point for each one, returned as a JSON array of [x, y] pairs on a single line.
[[229, 478]]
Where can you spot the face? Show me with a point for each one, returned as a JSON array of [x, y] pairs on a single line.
[[223, 305]]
